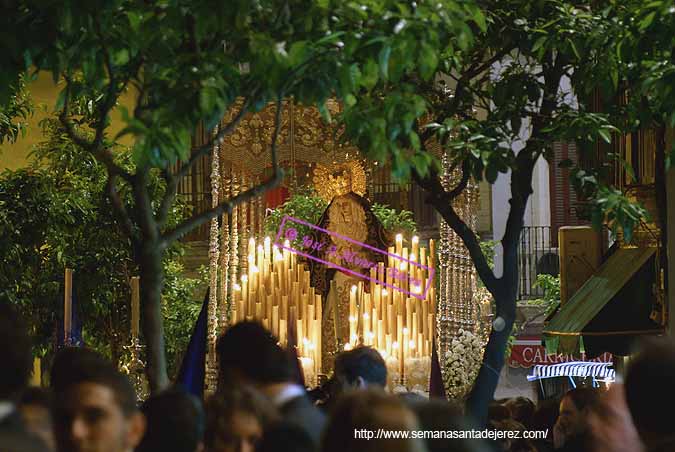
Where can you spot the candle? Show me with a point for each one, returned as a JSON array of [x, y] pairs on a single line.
[[415, 245], [267, 242], [251, 247], [68, 304], [399, 244], [135, 305]]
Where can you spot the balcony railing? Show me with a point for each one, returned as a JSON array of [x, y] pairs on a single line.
[[536, 255]]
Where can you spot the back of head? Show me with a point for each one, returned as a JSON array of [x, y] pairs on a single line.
[[498, 411], [365, 413], [522, 410], [361, 362], [175, 421], [519, 444], [284, 437], [36, 396], [545, 415], [73, 366], [440, 416], [583, 398], [247, 350], [15, 352], [647, 384]]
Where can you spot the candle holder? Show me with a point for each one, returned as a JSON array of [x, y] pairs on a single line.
[[134, 368]]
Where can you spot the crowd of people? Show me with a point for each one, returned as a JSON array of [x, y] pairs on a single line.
[[260, 405]]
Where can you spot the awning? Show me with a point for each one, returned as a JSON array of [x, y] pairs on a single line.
[[616, 302], [574, 369]]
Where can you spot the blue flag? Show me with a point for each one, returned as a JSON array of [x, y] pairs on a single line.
[[191, 375]]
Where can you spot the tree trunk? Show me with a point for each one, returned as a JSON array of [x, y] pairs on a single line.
[[152, 281], [493, 361], [505, 296]]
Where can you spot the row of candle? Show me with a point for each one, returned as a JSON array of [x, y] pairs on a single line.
[[277, 293], [396, 316]]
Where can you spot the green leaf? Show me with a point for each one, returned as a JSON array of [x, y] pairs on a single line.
[[491, 173], [647, 21], [121, 57], [605, 135], [383, 58], [539, 43], [428, 61], [369, 75]]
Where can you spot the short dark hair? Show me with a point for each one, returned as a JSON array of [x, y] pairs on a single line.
[[648, 385], [36, 396], [284, 436], [15, 352], [249, 349], [583, 398], [522, 409], [364, 362], [225, 404], [175, 421], [75, 365]]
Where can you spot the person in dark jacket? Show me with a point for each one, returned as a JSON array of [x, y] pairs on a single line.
[[17, 364], [249, 354]]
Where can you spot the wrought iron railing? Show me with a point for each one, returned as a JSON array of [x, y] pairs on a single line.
[[536, 255]]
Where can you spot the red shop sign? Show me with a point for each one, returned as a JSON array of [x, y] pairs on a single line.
[[528, 351]]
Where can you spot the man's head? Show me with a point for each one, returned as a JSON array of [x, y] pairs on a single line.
[[248, 353], [15, 352], [370, 410], [361, 367], [35, 407], [574, 409], [175, 422], [648, 386], [95, 408]]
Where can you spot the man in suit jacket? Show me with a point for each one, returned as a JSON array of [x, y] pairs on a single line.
[[249, 354], [17, 361]]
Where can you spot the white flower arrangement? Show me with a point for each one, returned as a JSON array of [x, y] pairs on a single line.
[[462, 363]]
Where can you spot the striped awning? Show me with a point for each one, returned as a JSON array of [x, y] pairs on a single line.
[[574, 369]]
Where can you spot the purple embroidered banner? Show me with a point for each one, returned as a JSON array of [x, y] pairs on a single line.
[[360, 266]]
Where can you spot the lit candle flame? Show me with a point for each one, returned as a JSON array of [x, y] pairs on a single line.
[[237, 286]]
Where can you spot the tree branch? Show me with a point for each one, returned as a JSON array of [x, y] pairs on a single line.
[[172, 180], [218, 139], [521, 177], [442, 202], [472, 71], [101, 154], [118, 207], [227, 206], [464, 181], [168, 198]]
